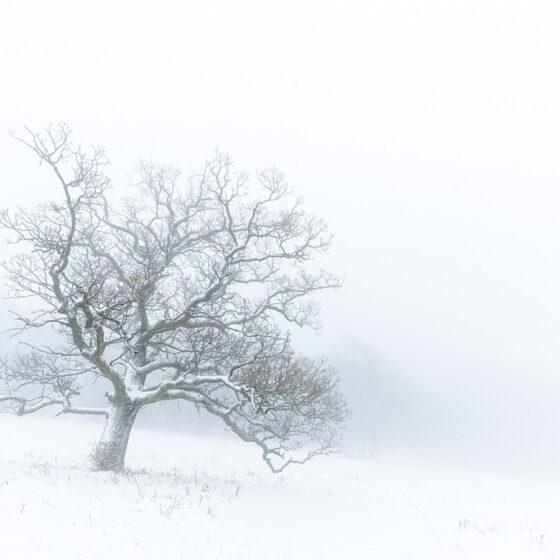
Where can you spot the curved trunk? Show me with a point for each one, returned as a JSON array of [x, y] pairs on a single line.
[[111, 449]]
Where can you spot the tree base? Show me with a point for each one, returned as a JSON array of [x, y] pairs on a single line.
[[110, 452]]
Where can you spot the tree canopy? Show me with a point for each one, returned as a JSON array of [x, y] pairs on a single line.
[[177, 293]]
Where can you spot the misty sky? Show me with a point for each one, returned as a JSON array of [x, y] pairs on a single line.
[[426, 133]]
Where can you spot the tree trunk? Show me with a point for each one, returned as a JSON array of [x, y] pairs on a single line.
[[111, 449]]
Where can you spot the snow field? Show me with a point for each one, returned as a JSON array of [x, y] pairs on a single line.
[[185, 496]]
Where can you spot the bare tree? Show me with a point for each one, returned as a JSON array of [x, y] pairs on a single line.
[[173, 295]]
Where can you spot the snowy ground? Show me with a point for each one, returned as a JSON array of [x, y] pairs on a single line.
[[200, 498]]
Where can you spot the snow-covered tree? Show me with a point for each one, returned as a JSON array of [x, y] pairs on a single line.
[[174, 294]]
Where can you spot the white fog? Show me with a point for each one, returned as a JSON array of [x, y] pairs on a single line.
[[426, 135]]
